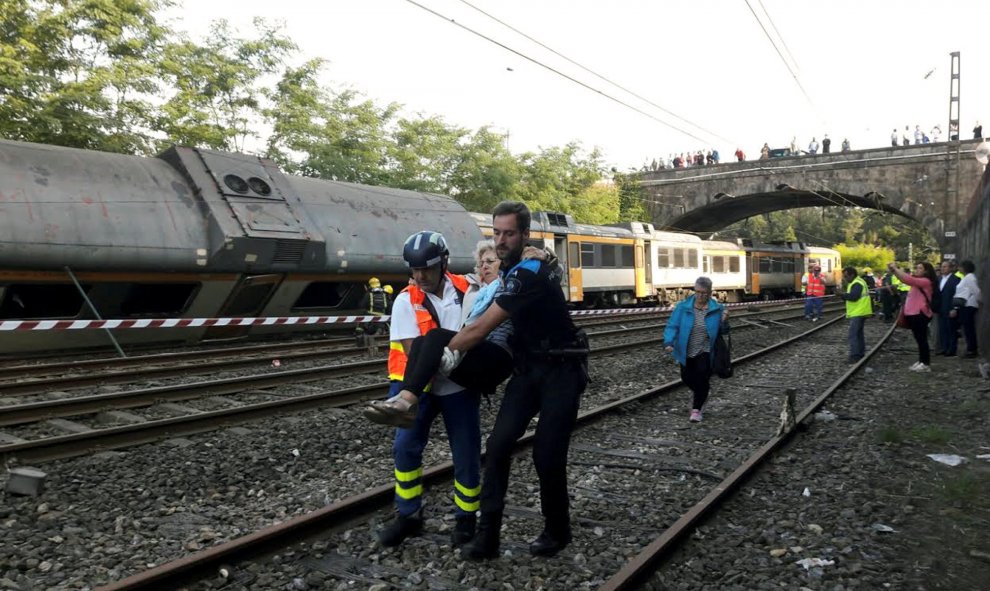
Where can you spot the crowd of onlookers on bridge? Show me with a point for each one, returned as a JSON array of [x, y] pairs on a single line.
[[711, 157]]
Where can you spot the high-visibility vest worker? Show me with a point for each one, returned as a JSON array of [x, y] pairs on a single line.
[[425, 319], [900, 285], [814, 286], [861, 307]]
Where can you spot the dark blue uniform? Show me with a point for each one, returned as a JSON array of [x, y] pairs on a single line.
[[550, 374]]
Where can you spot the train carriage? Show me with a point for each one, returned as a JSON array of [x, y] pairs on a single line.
[[725, 264]]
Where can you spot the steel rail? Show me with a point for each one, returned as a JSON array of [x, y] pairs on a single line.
[[642, 565], [167, 368], [65, 407], [174, 574]]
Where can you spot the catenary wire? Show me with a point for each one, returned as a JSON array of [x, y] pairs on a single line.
[[782, 59], [596, 74], [779, 36], [557, 72]]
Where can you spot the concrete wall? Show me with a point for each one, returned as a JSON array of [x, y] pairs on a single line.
[[974, 243]]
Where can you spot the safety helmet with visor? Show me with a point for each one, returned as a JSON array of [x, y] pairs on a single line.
[[425, 249]]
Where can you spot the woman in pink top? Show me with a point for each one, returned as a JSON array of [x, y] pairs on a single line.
[[918, 308]]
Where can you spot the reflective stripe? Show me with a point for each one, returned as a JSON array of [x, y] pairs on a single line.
[[467, 492], [465, 506], [408, 476], [409, 493]]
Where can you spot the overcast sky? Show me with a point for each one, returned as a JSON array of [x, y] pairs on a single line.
[[863, 64]]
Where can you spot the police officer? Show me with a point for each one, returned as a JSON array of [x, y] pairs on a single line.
[[434, 300], [550, 357]]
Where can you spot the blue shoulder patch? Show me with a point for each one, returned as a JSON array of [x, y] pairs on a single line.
[[532, 265]]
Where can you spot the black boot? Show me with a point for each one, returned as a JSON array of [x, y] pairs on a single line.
[[464, 529], [556, 535], [400, 528], [484, 546]]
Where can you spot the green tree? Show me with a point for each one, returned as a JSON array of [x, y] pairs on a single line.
[[486, 172], [865, 255], [553, 178], [217, 101], [80, 72], [425, 152], [631, 197]]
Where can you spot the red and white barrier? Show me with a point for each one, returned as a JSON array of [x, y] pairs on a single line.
[[16, 325]]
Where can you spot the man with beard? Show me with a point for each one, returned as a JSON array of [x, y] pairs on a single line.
[[551, 372]]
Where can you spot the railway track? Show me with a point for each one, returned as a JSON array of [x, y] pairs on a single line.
[[38, 379], [358, 508], [259, 396]]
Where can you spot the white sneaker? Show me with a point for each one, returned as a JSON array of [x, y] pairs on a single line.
[[914, 366], [923, 369]]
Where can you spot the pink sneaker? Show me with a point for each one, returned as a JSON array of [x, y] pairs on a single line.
[[695, 416]]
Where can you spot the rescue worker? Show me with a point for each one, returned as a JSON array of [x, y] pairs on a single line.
[[858, 308], [376, 303], [813, 284], [434, 300], [550, 356]]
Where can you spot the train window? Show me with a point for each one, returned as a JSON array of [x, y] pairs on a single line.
[[706, 264], [44, 300], [627, 256], [663, 258], [574, 259], [718, 264], [828, 263], [692, 261], [777, 266], [587, 254], [734, 264], [150, 299], [678, 258], [608, 255], [322, 294], [765, 264]]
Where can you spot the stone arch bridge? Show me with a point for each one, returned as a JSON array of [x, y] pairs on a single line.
[[931, 183]]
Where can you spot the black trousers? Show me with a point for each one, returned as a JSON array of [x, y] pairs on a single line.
[[967, 318], [697, 375], [482, 369], [553, 390], [919, 328]]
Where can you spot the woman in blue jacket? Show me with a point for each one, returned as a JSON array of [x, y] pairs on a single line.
[[689, 336]]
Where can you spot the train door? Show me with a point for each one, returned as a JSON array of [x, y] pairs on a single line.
[[560, 247], [644, 286], [247, 299], [753, 277], [574, 272]]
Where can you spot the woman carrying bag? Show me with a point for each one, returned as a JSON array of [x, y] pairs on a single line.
[[917, 310], [691, 333]]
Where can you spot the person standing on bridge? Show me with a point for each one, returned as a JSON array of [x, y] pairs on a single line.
[[977, 131], [826, 144], [845, 145], [893, 138], [859, 307], [813, 147], [740, 155], [906, 136]]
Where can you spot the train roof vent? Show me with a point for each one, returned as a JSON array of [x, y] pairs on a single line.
[[557, 219], [289, 251]]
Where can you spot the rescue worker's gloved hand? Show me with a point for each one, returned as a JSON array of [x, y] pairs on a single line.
[[450, 360]]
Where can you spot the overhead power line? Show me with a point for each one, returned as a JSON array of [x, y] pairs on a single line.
[[596, 74], [777, 49], [779, 36], [557, 72]]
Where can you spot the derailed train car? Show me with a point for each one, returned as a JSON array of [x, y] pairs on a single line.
[[194, 233]]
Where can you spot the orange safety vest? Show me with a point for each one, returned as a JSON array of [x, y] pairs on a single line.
[[426, 321], [815, 286]]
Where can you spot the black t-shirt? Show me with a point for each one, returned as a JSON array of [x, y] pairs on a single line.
[[531, 294]]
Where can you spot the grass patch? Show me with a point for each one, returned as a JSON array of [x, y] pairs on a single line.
[[965, 489], [932, 434], [890, 435]]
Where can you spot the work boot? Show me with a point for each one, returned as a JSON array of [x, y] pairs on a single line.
[[549, 544], [400, 528], [484, 546], [463, 529]]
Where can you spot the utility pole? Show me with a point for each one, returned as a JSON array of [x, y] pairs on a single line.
[[950, 211]]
